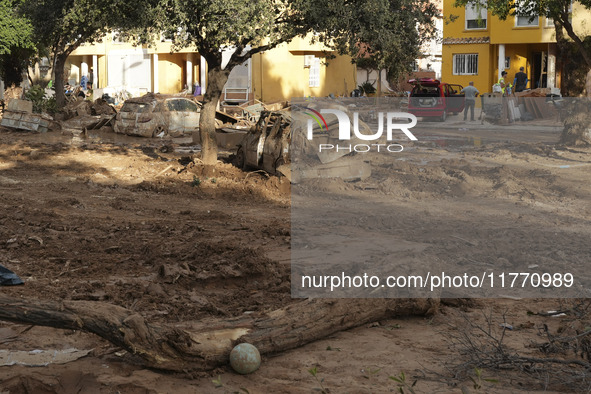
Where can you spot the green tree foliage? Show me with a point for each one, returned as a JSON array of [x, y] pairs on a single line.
[[243, 27], [63, 25], [15, 31], [15, 42], [390, 30], [378, 34]]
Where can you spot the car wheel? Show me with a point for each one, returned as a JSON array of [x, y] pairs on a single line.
[[240, 159], [443, 116], [159, 131]]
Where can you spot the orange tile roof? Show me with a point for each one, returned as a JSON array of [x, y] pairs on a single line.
[[466, 40]]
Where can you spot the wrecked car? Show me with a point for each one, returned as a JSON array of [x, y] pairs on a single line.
[[266, 145], [154, 115]]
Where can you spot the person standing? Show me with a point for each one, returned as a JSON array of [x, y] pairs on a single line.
[[506, 111], [83, 82], [502, 82], [520, 81], [470, 93]]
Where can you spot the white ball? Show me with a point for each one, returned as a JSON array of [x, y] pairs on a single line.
[[245, 358]]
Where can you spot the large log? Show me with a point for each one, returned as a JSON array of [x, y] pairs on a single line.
[[204, 345]]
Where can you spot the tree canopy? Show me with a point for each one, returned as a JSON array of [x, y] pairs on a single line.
[[384, 34], [16, 44], [15, 31], [390, 30]]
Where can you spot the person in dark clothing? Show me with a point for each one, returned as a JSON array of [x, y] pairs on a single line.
[[520, 81]]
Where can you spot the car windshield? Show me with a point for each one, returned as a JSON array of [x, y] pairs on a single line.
[[135, 107]]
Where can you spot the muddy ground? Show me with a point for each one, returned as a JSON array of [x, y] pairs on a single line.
[[137, 223]]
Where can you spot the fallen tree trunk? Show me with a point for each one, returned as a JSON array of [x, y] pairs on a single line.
[[207, 344]]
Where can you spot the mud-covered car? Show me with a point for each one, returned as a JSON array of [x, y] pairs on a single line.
[[266, 146], [156, 115]]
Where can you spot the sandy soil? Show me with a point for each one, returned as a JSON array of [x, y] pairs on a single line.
[[137, 223]]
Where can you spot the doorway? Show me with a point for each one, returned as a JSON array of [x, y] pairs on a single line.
[[539, 74]]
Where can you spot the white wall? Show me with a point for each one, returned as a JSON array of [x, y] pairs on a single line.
[[130, 69]]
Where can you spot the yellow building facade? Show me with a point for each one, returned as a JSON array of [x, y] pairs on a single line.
[[478, 46], [294, 69]]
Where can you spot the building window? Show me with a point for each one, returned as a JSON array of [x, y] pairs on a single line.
[[525, 21], [465, 64], [415, 66], [315, 73], [475, 16], [525, 14]]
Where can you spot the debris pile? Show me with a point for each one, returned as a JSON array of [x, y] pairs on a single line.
[[87, 108], [13, 92], [232, 122], [19, 115], [527, 105], [540, 103], [74, 109], [245, 116], [102, 107]]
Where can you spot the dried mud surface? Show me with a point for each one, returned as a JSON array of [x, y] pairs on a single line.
[[134, 223]]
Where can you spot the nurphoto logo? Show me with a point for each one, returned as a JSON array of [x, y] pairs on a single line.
[[344, 123]]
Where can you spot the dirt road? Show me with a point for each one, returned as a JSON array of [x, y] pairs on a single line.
[[137, 223]]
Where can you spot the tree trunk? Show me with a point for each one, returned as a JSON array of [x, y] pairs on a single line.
[[60, 64], [581, 47], [216, 79], [205, 345], [576, 124], [571, 33]]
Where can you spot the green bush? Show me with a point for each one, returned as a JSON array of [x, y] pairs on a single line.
[[41, 103], [367, 88]]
